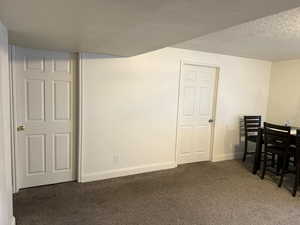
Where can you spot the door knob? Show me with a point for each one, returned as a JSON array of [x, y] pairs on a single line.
[[21, 128], [210, 120]]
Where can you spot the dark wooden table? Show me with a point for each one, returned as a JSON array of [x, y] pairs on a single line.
[[259, 143]]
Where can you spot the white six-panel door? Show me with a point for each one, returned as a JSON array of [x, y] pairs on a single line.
[[43, 83], [195, 116]]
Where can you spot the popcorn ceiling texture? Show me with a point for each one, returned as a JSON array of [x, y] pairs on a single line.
[[274, 38], [125, 29]]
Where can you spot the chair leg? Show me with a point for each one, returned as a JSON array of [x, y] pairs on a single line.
[[246, 151], [264, 166], [279, 164], [296, 180], [283, 168], [273, 160]]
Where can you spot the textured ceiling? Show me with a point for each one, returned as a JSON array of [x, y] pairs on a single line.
[[125, 27], [275, 38]]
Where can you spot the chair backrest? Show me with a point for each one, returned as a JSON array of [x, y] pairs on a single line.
[[277, 136], [252, 124]]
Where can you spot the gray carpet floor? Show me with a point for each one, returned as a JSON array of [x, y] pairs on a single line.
[[223, 193]]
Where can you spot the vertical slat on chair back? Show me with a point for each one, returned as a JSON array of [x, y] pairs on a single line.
[[252, 123], [298, 147], [277, 136]]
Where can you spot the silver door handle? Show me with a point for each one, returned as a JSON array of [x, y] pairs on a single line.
[[21, 128], [210, 120]]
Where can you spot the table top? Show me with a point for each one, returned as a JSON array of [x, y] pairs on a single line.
[[293, 130]]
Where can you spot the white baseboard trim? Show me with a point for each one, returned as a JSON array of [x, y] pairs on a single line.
[[228, 156], [127, 171], [13, 221]]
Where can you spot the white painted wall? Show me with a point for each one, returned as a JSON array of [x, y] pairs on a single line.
[[6, 216], [284, 100], [130, 108]]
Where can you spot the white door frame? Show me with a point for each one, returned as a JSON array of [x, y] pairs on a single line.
[[76, 127], [215, 97], [12, 122], [5, 126], [80, 116]]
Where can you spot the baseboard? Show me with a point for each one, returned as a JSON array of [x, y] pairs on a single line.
[[127, 171], [13, 221], [228, 156]]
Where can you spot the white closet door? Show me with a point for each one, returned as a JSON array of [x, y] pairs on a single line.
[[195, 119], [44, 103]]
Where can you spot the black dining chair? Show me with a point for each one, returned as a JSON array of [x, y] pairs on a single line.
[[251, 125], [277, 141], [297, 164]]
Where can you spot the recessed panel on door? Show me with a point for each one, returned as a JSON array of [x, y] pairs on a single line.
[[35, 100], [186, 139], [200, 139], [204, 101], [190, 75], [36, 153], [34, 63], [62, 63], [62, 151], [61, 100], [189, 101]]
